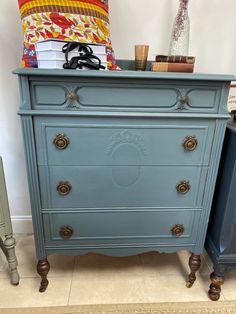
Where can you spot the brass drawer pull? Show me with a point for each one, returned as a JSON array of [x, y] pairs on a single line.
[[64, 188], [177, 230], [190, 143], [183, 187], [61, 141], [66, 232]]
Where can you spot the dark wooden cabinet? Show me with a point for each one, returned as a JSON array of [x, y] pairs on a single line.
[[221, 234]]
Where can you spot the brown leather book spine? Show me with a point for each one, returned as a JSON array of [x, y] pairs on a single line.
[[179, 59], [172, 67]]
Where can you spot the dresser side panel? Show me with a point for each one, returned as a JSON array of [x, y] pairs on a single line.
[[210, 182], [222, 225], [33, 184]]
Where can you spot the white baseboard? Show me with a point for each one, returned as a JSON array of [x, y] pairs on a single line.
[[22, 224]]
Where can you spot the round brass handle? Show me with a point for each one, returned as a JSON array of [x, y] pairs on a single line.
[[66, 232], [61, 141], [183, 187], [190, 143], [64, 188], [177, 230]]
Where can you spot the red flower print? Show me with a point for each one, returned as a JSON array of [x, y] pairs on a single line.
[[48, 33], [61, 21]]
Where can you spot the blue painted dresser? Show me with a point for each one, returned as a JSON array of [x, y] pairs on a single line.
[[221, 233], [122, 162]]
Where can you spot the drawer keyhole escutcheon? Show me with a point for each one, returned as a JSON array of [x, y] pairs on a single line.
[[66, 232], [64, 188], [183, 187], [61, 141], [190, 143], [177, 230]]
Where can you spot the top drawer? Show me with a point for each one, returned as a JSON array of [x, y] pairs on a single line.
[[137, 95]]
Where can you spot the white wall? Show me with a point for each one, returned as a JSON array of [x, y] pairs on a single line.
[[212, 36], [212, 41], [11, 145]]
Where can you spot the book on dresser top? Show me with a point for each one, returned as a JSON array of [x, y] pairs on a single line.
[[172, 67], [179, 59], [49, 53], [56, 45]]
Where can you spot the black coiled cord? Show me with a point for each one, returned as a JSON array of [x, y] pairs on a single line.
[[86, 58]]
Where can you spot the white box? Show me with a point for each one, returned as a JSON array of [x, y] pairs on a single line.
[[58, 64]]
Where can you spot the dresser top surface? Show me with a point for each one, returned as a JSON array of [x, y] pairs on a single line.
[[125, 74]]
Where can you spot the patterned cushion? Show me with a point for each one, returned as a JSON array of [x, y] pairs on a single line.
[[71, 20]]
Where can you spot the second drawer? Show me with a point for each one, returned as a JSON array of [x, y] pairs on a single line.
[[121, 186], [123, 141]]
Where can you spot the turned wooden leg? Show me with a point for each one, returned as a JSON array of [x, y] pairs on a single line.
[[215, 289], [2, 246], [43, 267], [9, 245], [194, 264]]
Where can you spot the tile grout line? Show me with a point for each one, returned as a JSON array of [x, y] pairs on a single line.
[[72, 276], [222, 296]]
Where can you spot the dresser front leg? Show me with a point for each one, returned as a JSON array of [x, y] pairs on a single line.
[[215, 287], [194, 264], [43, 267]]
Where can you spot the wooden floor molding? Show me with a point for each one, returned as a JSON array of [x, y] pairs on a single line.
[[219, 307]]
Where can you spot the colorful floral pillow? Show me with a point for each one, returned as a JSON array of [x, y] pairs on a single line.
[[71, 20]]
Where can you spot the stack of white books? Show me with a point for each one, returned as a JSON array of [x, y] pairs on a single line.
[[50, 56]]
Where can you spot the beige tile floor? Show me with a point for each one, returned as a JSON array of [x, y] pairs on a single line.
[[98, 279]]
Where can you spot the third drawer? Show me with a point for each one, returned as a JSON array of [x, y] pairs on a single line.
[[121, 227]]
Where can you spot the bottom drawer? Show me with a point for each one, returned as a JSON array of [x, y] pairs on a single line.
[[121, 227]]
